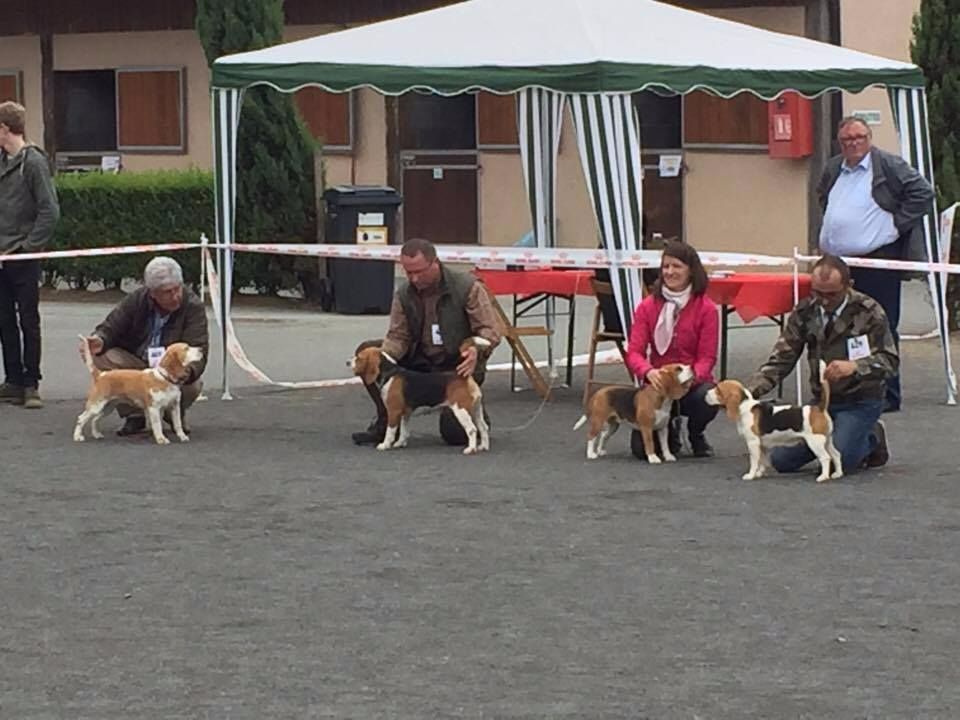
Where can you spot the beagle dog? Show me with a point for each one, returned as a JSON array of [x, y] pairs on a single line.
[[764, 425], [645, 408], [404, 391], [153, 389]]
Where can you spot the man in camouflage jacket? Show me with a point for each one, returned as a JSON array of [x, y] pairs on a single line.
[[850, 333]]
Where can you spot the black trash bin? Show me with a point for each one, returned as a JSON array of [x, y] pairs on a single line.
[[361, 215]]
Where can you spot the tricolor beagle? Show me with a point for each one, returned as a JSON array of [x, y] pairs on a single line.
[[154, 389], [644, 408], [764, 425], [404, 391]]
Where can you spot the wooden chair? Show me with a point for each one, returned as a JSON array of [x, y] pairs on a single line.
[[606, 328]]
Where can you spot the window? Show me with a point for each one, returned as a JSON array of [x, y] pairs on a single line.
[[150, 110], [138, 110], [85, 110], [497, 122], [711, 120], [660, 120], [435, 122], [329, 116], [10, 84]]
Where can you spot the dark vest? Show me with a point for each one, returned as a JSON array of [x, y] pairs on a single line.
[[451, 314]]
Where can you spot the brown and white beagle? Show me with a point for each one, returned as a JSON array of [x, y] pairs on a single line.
[[764, 425], [153, 389], [646, 408], [404, 391]]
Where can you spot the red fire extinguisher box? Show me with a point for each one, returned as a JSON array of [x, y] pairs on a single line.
[[791, 126]]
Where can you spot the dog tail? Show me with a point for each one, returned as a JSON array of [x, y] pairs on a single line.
[[824, 388], [580, 422], [87, 355]]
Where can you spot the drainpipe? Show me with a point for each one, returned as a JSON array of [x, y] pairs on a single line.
[[823, 24]]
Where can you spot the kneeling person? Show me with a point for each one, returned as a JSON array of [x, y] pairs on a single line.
[[135, 333], [849, 332], [432, 314]]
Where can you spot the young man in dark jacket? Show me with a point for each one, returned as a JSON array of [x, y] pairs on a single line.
[[147, 320], [28, 214], [874, 204]]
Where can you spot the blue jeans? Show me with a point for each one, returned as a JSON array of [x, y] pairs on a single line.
[[853, 437]]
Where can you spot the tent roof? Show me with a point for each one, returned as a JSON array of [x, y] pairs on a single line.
[[564, 45]]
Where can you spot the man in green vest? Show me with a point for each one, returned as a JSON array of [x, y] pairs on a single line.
[[432, 314]]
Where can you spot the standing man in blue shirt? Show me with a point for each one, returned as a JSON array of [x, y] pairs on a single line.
[[873, 206]]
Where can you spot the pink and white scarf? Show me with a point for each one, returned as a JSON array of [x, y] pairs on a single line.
[[674, 302]]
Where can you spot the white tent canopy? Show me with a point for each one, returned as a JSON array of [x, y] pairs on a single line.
[[564, 45], [591, 53]]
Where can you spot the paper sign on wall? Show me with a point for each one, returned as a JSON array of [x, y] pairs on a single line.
[[670, 165]]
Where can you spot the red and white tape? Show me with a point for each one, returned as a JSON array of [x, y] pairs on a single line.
[[498, 256], [97, 252]]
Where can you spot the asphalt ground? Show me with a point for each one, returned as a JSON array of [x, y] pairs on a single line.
[[271, 569]]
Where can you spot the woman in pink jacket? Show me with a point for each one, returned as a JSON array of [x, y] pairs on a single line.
[[677, 322]]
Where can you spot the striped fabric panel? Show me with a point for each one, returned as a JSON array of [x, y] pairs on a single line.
[[608, 138], [910, 118], [226, 106], [540, 118]]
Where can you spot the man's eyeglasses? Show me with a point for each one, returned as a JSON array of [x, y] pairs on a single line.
[[853, 139], [821, 296]]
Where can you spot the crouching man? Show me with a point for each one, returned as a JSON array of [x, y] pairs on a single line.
[[432, 314], [136, 332]]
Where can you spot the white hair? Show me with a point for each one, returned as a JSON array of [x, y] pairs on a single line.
[[162, 272]]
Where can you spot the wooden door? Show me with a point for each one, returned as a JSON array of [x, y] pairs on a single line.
[[438, 140]]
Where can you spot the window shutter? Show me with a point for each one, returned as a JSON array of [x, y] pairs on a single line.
[[150, 110], [497, 121], [711, 120], [329, 116], [10, 86]]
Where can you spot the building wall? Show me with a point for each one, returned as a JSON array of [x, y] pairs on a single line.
[[880, 27], [22, 54], [176, 48]]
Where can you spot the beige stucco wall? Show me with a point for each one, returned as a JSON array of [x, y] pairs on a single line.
[[746, 201], [22, 54], [95, 51], [880, 27], [504, 212]]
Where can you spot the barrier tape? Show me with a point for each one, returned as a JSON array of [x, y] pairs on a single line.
[[239, 355], [526, 257], [237, 352], [489, 256], [95, 252]]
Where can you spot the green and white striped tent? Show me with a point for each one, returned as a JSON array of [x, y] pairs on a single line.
[[590, 53]]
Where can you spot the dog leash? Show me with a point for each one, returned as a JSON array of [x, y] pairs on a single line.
[[536, 414]]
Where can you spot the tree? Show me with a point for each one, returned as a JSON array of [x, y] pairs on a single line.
[[936, 49], [275, 151]]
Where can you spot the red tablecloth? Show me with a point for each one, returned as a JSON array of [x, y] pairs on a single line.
[[755, 295], [531, 282]]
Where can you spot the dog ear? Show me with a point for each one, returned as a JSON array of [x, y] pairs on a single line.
[[368, 365], [174, 361], [732, 395]]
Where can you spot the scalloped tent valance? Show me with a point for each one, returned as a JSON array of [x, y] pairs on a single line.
[[571, 46]]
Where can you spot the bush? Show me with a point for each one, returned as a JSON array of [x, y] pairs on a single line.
[[149, 208]]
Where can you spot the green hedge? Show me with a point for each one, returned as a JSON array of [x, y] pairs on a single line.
[[99, 210], [169, 206]]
